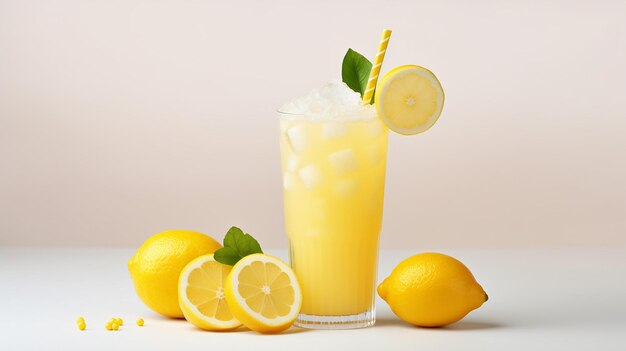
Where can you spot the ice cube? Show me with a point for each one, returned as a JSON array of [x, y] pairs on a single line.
[[292, 163], [297, 138], [334, 130], [310, 176], [334, 98], [338, 95], [288, 180], [346, 187], [343, 161]]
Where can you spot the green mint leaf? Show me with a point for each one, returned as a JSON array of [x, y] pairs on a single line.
[[232, 236], [355, 71], [237, 245], [226, 255]]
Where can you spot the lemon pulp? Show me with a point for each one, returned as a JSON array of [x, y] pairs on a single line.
[[263, 293], [266, 289], [201, 294], [409, 99]]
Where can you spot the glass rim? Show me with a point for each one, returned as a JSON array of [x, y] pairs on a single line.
[[290, 113], [358, 116]]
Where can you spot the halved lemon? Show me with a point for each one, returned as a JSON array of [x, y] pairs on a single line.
[[409, 99], [263, 293], [201, 294]]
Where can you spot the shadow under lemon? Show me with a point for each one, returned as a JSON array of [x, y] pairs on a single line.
[[459, 326]]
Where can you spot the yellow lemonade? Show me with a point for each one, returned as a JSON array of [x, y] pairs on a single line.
[[333, 187]]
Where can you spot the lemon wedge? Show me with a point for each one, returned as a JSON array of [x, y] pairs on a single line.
[[409, 99], [263, 293], [201, 294]]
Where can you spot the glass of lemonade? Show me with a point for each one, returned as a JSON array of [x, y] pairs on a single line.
[[333, 153]]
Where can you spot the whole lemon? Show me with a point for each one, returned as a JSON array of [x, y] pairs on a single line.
[[431, 290], [157, 264]]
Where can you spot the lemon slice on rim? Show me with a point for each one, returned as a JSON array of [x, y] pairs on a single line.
[[201, 294], [409, 99], [263, 293]]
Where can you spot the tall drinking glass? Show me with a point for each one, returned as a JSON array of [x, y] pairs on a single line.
[[333, 189]]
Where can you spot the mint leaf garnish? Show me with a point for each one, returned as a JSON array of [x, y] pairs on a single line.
[[226, 255], [237, 245], [355, 71]]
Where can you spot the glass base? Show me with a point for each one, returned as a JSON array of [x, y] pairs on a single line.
[[361, 320]]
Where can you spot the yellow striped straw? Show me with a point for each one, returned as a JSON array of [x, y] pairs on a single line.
[[378, 63]]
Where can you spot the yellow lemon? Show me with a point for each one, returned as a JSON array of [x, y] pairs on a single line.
[[431, 290], [263, 293], [409, 99], [156, 266], [201, 294]]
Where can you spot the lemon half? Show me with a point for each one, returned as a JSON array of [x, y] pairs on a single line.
[[201, 294], [263, 293], [409, 99]]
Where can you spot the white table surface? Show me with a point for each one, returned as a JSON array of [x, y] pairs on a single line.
[[538, 300]]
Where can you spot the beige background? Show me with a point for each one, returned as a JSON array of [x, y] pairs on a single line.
[[119, 119]]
